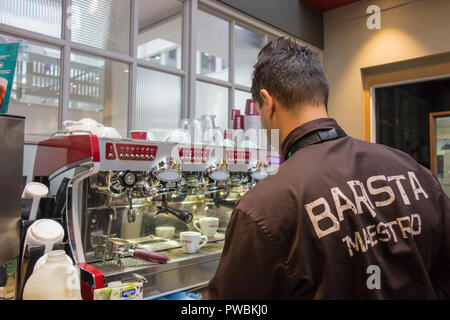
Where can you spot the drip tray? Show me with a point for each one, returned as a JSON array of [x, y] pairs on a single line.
[[160, 244]]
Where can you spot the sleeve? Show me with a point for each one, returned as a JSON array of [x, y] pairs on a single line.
[[250, 268], [440, 275]]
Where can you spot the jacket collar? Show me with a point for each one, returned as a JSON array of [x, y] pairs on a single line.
[[304, 129]]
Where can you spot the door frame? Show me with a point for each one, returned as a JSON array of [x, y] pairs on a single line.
[[372, 106], [402, 72], [433, 157]]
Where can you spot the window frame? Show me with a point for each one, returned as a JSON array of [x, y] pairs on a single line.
[[189, 48]]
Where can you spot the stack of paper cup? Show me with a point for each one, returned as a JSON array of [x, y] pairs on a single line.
[[238, 129], [252, 122]]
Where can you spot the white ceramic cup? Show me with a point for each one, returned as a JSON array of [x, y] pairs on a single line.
[[179, 136], [89, 125], [110, 132], [45, 232], [165, 232], [207, 225], [190, 241]]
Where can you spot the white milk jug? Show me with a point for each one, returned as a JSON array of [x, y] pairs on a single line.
[[55, 279]]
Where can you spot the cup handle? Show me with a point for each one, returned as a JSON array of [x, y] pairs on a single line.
[[196, 225], [206, 241]]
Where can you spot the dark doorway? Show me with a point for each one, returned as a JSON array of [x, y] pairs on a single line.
[[402, 115]]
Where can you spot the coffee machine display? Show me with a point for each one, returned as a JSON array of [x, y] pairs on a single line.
[[128, 201]]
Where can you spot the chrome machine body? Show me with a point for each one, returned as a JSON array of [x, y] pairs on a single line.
[[120, 190]]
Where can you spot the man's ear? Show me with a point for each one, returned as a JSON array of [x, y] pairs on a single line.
[[267, 106]]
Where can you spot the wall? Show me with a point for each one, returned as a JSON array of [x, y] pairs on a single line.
[[409, 29], [291, 16]]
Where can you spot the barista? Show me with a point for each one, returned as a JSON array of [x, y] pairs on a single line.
[[342, 218]]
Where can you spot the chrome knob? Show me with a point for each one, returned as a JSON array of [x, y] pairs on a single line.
[[121, 156]]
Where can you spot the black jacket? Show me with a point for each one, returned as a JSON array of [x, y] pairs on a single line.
[[342, 219]]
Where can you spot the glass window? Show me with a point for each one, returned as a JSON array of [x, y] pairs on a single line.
[[103, 24], [240, 100], [212, 46], [35, 90], [247, 46], [99, 90], [158, 101], [43, 16], [212, 99], [159, 38]]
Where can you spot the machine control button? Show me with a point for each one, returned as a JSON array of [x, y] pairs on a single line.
[[132, 156], [127, 156], [110, 155], [152, 157], [147, 156], [138, 157], [121, 156]]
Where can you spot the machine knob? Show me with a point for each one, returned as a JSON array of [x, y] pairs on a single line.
[[127, 156], [137, 157], [121, 156], [110, 155], [147, 157], [132, 156], [152, 157]]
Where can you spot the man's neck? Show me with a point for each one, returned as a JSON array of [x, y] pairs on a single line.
[[307, 114]]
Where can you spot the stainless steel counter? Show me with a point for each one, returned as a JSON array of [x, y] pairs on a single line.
[[183, 271]]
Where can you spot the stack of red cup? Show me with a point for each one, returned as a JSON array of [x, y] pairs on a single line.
[[250, 108]]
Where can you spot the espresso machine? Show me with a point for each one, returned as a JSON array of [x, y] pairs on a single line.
[[118, 191]]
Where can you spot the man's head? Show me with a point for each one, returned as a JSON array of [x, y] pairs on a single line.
[[289, 85]]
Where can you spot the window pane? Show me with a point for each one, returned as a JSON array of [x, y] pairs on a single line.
[[158, 101], [248, 44], [99, 90], [159, 38], [240, 99], [212, 46], [212, 99], [35, 91], [43, 16], [103, 24]]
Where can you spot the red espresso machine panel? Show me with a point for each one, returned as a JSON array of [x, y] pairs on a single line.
[[130, 152], [194, 155], [238, 157]]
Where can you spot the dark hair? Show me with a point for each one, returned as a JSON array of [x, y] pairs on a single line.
[[290, 73]]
